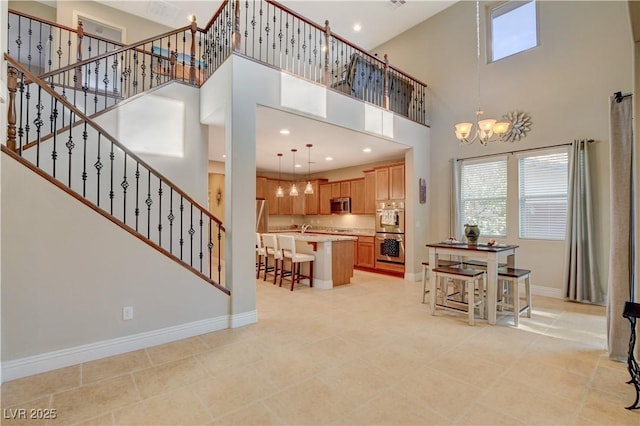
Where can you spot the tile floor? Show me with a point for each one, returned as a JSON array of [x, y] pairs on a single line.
[[365, 353]]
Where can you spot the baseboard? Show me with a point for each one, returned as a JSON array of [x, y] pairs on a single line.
[[36, 364], [242, 319], [556, 293], [409, 276]]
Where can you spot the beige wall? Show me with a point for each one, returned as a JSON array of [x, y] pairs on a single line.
[[564, 84], [137, 28], [34, 8]]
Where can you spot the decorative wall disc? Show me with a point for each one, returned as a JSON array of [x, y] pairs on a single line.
[[520, 125]]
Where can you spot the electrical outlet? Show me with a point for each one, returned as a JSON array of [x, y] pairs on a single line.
[[127, 313]]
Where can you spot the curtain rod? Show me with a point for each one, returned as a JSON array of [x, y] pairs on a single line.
[[619, 96], [518, 150]]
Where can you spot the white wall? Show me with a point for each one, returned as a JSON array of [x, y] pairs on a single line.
[[3, 137], [61, 289], [564, 84]]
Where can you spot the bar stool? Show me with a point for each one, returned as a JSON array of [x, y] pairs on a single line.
[[425, 273], [288, 246], [261, 254], [509, 296], [474, 281], [271, 250]]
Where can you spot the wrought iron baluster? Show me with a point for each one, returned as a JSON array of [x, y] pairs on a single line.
[[30, 34], [106, 82], [39, 48], [201, 254], [191, 232], [38, 123], [53, 118], [171, 217], [137, 209], [98, 165], [181, 224], [96, 89], [69, 48], [85, 135], [70, 144], [219, 252], [19, 39], [210, 248], [111, 194], [124, 185], [20, 122], [160, 213], [260, 33], [50, 39], [149, 202]]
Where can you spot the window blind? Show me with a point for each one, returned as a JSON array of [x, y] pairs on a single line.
[[543, 185], [483, 196]]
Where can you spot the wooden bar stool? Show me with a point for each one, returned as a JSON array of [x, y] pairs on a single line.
[[425, 273], [288, 246], [509, 280], [272, 251], [474, 281]]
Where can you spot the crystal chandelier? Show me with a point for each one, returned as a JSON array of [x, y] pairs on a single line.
[[308, 189], [487, 128]]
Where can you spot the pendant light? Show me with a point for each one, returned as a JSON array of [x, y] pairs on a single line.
[[308, 189], [294, 189], [279, 191]]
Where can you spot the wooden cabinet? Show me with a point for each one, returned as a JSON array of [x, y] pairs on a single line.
[[311, 200], [396, 182], [369, 192], [270, 196], [285, 204], [298, 203], [365, 252], [345, 189], [335, 190], [324, 199], [261, 187], [390, 182], [357, 196]]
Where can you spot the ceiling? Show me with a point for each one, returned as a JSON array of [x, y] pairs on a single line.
[[381, 20]]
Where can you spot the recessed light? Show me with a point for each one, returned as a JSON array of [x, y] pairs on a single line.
[[298, 166], [357, 27], [329, 158], [285, 131], [366, 150]]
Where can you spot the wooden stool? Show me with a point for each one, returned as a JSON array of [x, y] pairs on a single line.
[[509, 297], [470, 277], [425, 273]]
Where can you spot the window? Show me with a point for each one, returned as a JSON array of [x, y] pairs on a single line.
[[513, 28], [483, 195], [543, 195]]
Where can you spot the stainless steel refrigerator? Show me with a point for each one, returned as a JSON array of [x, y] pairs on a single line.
[[262, 216]]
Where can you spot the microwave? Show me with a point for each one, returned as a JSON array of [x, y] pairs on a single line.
[[341, 205]]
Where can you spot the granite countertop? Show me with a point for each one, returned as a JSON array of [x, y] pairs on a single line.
[[319, 238], [346, 232]]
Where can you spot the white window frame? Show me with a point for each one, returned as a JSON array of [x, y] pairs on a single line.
[[504, 8], [492, 159], [521, 197]]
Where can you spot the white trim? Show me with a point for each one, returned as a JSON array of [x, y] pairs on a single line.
[[412, 276], [123, 30], [35, 364], [242, 319], [322, 284], [546, 291]]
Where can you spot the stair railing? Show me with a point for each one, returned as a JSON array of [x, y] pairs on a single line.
[[92, 166], [43, 46]]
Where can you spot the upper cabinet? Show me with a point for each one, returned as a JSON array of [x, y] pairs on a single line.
[[369, 192], [357, 196], [325, 198], [261, 187], [390, 182]]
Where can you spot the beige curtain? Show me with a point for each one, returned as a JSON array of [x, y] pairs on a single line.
[[620, 253], [581, 281]]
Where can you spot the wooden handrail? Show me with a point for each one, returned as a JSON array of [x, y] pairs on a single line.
[[215, 16], [114, 220], [113, 52], [99, 128], [54, 24]]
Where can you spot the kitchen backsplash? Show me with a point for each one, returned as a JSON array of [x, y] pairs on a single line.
[[347, 221]]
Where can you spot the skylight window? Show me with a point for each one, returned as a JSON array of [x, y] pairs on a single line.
[[514, 28]]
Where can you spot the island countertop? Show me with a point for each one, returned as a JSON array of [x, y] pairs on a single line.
[[318, 238]]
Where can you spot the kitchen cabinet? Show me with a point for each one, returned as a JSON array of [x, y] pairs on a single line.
[[297, 203], [311, 200], [270, 196], [345, 189], [357, 196], [365, 252], [324, 199], [285, 204], [390, 182], [335, 190], [369, 192], [261, 187]]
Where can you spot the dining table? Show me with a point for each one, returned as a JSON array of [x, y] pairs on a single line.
[[491, 254]]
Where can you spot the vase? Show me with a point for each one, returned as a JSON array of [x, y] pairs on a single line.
[[472, 232]]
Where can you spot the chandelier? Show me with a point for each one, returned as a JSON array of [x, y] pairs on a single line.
[[488, 127], [293, 192], [279, 190], [308, 189]]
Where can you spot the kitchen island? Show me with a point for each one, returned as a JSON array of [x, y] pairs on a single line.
[[334, 257]]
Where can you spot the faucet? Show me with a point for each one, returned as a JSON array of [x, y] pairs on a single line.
[[305, 226]]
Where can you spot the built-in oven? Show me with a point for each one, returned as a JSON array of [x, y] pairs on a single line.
[[390, 217], [390, 248]]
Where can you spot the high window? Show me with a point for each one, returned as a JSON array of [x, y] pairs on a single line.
[[513, 28], [543, 184], [483, 195]]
